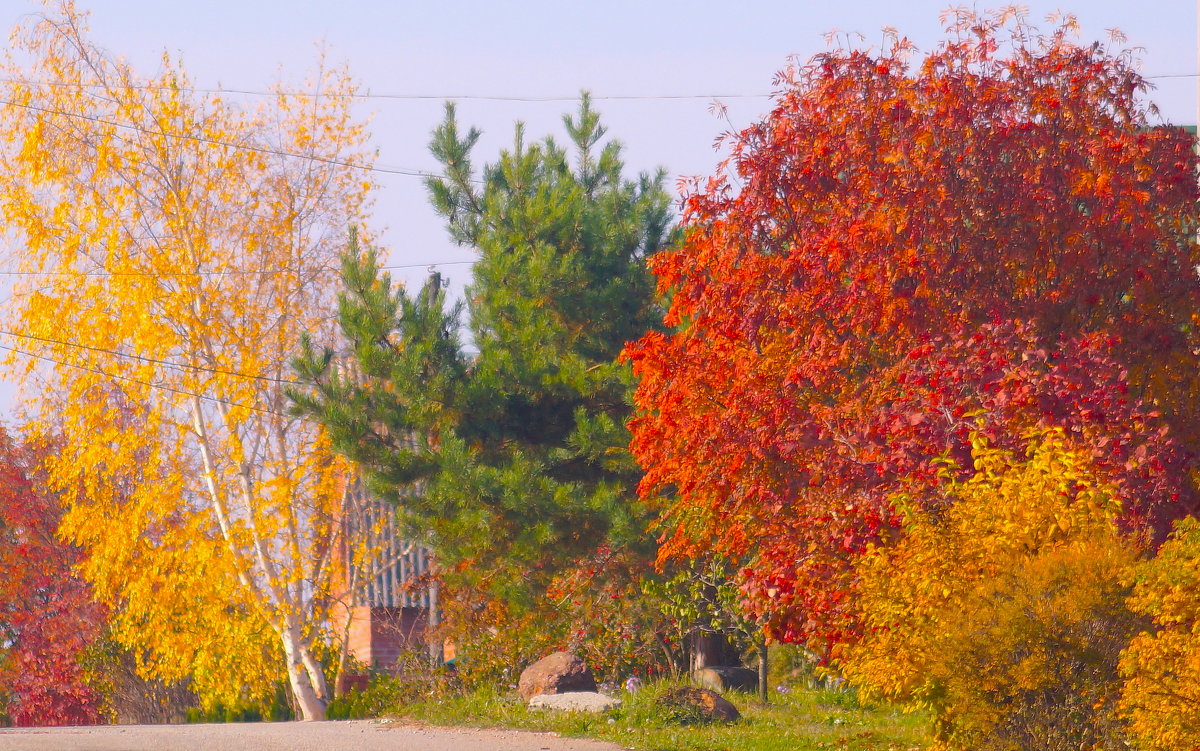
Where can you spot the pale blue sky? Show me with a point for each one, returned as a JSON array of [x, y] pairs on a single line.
[[546, 48], [549, 48]]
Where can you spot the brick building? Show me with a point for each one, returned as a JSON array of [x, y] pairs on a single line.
[[387, 603]]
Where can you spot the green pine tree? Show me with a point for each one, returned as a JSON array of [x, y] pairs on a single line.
[[510, 457]]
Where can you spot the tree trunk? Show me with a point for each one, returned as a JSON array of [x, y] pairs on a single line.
[[433, 640], [762, 670], [710, 649], [307, 684]]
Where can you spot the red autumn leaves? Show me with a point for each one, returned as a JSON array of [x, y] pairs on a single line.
[[898, 254], [47, 615]]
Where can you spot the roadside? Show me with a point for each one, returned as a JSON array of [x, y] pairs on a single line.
[[797, 719], [355, 735]]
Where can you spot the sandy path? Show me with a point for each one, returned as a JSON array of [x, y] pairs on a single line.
[[359, 735]]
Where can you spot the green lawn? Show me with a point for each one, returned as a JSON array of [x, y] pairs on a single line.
[[797, 721]]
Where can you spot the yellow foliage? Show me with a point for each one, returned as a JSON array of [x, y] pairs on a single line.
[[176, 246], [1001, 608], [1162, 691]]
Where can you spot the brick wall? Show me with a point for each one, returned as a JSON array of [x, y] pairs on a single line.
[[378, 636]]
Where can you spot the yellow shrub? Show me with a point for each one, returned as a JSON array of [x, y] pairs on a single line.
[[1001, 609], [1162, 693]]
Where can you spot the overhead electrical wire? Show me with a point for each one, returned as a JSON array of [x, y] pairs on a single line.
[[404, 171], [217, 142], [166, 363], [396, 97], [171, 274], [161, 386], [448, 97], [279, 152]]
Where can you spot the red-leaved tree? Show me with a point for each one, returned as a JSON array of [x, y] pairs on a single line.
[[899, 252], [47, 615]]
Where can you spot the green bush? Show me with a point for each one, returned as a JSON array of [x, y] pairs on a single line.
[[277, 709], [384, 694]]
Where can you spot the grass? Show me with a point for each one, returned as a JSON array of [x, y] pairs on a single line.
[[801, 720]]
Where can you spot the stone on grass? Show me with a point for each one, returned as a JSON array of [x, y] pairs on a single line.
[[557, 673], [575, 701], [726, 678], [690, 705]]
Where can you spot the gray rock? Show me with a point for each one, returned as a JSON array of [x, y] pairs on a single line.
[[726, 678], [557, 673], [687, 705], [575, 701]]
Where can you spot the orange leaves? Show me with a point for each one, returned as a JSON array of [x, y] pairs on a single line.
[[883, 203]]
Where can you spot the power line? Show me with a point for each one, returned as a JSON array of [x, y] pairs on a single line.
[[498, 98], [131, 379], [446, 97], [141, 358], [171, 274], [399, 97], [405, 171], [217, 142]]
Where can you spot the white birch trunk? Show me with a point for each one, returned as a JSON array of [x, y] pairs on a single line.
[[304, 675]]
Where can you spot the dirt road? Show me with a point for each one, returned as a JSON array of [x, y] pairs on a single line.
[[358, 735]]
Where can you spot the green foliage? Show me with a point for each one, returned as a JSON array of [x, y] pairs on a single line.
[[277, 709], [511, 462], [384, 402], [596, 609], [538, 455], [622, 632], [702, 596], [794, 721], [384, 694], [842, 697]]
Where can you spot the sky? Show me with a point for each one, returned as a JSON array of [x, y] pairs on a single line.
[[704, 51], [548, 48]]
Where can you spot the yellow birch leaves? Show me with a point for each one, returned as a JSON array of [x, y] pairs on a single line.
[[175, 245]]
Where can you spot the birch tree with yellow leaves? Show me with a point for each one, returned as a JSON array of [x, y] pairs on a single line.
[[171, 247]]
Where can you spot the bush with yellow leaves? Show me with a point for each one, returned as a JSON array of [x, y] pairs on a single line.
[[1162, 693], [1002, 609]]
